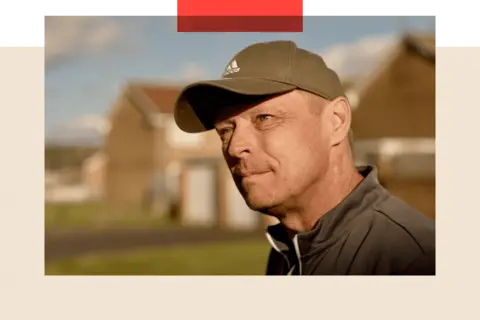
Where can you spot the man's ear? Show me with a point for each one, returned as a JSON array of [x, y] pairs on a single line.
[[342, 118]]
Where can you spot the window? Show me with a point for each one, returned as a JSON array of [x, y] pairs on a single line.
[[178, 138]]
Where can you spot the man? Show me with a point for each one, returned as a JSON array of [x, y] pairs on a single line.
[[284, 122]]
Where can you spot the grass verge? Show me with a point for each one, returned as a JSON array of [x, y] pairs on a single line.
[[234, 258], [98, 215]]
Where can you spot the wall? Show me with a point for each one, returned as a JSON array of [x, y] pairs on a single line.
[[129, 148], [191, 145], [408, 173], [400, 102], [93, 175]]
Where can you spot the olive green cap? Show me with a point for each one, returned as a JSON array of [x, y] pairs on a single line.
[[260, 70]]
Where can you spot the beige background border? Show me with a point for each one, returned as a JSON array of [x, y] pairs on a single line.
[[25, 293]]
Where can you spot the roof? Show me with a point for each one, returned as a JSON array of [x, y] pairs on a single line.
[[422, 44], [398, 98], [156, 97]]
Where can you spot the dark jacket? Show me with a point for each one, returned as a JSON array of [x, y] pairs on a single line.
[[370, 233]]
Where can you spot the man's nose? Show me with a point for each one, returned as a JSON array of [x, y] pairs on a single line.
[[241, 143]]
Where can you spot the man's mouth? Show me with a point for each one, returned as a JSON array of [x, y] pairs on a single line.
[[251, 176]]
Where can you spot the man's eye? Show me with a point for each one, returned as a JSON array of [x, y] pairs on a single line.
[[264, 117], [224, 131]]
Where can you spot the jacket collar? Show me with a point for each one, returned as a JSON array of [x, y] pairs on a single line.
[[331, 224]]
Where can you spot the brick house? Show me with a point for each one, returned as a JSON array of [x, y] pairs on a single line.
[[150, 161], [394, 120]]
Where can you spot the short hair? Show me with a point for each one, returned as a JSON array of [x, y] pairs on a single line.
[[316, 103]]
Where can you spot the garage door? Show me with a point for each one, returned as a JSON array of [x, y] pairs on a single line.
[[200, 204]]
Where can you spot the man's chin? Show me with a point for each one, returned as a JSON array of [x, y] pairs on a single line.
[[260, 204]]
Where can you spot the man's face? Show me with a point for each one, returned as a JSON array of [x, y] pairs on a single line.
[[275, 149]]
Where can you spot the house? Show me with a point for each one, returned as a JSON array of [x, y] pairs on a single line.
[[93, 175], [61, 186], [394, 120], [149, 161]]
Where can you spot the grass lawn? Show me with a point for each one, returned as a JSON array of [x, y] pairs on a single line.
[[97, 215], [234, 258]]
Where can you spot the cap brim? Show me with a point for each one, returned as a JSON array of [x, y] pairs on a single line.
[[207, 97]]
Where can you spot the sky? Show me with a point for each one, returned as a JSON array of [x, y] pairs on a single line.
[[89, 59]]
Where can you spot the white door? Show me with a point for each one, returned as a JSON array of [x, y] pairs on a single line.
[[200, 202], [239, 215]]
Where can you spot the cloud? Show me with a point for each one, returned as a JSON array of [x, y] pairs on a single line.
[[193, 72], [356, 58], [68, 37], [90, 121], [188, 72], [87, 129], [72, 33]]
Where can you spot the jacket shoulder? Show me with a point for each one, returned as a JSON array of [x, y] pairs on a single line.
[[408, 236], [407, 220]]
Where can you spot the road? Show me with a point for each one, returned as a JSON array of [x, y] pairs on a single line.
[[64, 244]]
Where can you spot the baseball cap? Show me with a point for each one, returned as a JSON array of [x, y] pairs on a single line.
[[258, 71]]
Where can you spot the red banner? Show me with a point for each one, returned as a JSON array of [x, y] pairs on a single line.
[[239, 8], [239, 24], [239, 16]]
